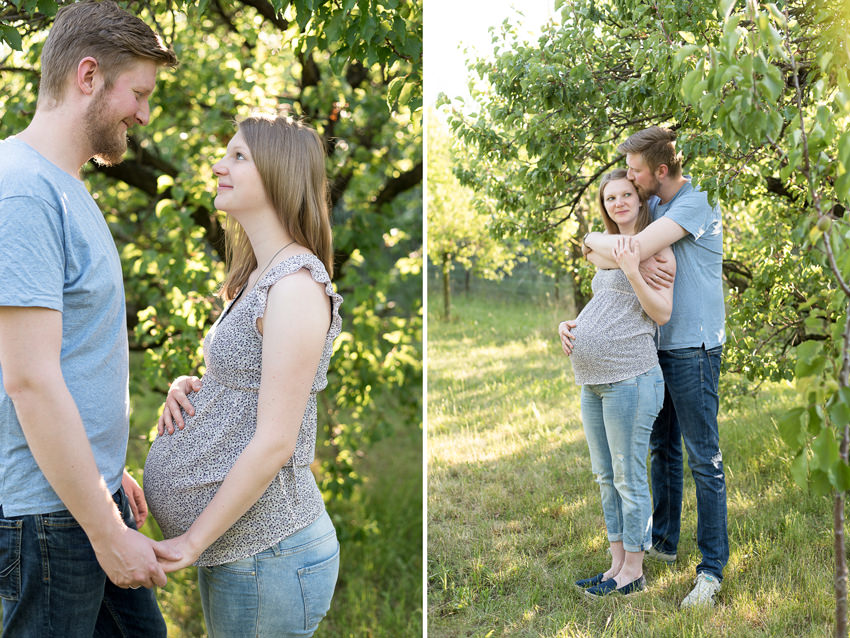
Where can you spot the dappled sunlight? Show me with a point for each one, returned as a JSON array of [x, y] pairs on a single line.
[[564, 510], [471, 445], [515, 515]]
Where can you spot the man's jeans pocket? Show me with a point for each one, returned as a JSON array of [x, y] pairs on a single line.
[[317, 588], [10, 558]]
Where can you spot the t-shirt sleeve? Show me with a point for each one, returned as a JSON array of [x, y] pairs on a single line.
[[32, 255], [693, 214]]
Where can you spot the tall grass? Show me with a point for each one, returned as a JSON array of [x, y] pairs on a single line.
[[514, 516]]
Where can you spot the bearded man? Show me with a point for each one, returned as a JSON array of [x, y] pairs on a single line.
[[72, 562], [690, 349]]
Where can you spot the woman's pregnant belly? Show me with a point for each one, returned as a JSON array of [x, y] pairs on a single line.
[[589, 344], [184, 470]]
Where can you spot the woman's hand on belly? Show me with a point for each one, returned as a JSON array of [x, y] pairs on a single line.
[[567, 337], [176, 401]]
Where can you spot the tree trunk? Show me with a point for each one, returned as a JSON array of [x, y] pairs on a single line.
[[840, 566], [466, 282], [579, 298], [447, 289], [838, 509]]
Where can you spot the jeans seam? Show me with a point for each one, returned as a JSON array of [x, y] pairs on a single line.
[[291, 551], [107, 603], [259, 598], [44, 555]]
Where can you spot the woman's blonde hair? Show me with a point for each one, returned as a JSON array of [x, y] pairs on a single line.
[[290, 158], [644, 217]]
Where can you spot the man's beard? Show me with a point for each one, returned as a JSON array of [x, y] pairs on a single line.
[[646, 193], [107, 140]]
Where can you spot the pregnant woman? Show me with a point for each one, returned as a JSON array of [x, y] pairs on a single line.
[[231, 486], [612, 349]]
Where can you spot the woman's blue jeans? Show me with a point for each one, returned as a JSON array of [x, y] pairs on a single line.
[[618, 420], [690, 413], [283, 591]]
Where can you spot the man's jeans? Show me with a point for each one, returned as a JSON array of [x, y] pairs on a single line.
[[53, 586], [690, 408], [617, 419]]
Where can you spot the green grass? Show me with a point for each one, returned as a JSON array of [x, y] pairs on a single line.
[[379, 591], [514, 515]]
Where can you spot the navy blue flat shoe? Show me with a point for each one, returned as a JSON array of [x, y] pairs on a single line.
[[610, 587], [584, 583]]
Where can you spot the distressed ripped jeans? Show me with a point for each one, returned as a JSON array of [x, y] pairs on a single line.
[[617, 420], [690, 408]]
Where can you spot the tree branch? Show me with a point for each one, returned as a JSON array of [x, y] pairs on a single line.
[[398, 185], [266, 10], [17, 69], [577, 198]]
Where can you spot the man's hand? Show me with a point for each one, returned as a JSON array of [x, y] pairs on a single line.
[[655, 273], [136, 496], [177, 399], [567, 337], [129, 559]]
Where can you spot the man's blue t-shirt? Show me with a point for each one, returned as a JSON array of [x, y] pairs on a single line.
[[56, 252], [699, 314]]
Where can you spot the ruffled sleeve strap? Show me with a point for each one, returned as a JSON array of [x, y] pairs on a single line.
[[292, 265]]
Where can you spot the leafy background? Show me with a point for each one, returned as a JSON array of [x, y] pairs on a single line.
[[352, 69], [759, 96]]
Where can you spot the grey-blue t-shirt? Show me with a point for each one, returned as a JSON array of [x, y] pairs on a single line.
[[699, 314], [56, 252]]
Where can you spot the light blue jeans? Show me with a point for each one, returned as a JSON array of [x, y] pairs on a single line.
[[618, 420], [283, 591]]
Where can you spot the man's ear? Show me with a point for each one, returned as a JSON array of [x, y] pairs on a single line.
[[88, 75], [661, 171]]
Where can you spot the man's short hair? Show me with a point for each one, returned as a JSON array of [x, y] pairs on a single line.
[[657, 146], [104, 31]]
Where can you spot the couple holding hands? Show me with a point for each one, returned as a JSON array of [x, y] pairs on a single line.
[[647, 350], [228, 478]]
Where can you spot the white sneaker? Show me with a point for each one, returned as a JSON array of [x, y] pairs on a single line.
[[705, 586]]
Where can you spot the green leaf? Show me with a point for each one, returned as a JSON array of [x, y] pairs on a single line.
[[792, 428], [825, 449], [820, 483], [839, 412], [816, 419], [840, 476], [684, 51], [800, 470], [772, 87], [405, 93], [394, 90], [11, 35], [777, 15], [689, 84], [809, 358], [844, 150], [47, 7]]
